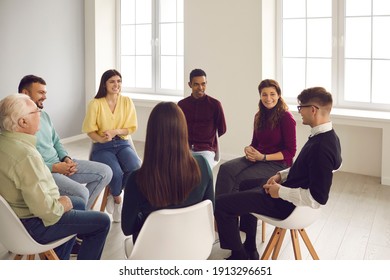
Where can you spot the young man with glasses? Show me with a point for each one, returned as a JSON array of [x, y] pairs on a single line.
[[306, 183]]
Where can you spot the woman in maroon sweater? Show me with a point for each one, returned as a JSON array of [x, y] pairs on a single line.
[[273, 145]]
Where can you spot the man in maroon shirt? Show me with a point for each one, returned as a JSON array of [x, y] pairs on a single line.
[[205, 117]]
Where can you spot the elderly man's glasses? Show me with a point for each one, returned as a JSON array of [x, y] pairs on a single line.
[[306, 106]]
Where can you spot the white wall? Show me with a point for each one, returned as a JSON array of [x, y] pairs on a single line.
[[46, 38], [229, 39]]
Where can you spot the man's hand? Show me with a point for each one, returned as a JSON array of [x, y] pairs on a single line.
[[66, 202], [272, 188], [67, 168]]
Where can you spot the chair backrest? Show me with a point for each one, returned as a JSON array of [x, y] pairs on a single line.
[[14, 236], [175, 234]]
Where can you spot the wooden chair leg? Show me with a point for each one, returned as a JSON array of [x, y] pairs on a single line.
[[18, 257], [104, 199], [262, 231], [271, 244], [276, 251], [308, 244], [42, 256], [51, 255], [31, 257], [295, 243]]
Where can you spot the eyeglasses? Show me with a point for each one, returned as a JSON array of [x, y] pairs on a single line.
[[305, 106]]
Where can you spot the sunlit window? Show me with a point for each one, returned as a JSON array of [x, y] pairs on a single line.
[[151, 52], [343, 46]]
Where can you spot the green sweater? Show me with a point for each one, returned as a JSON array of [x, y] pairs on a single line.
[[25, 181]]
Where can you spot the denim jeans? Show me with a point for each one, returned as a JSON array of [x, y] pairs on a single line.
[[121, 157], [95, 175], [91, 226], [208, 155]]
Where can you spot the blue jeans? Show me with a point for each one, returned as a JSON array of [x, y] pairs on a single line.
[[91, 226], [121, 157], [95, 175]]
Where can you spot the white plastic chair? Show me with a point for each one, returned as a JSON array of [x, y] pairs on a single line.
[[16, 239], [175, 234], [299, 219]]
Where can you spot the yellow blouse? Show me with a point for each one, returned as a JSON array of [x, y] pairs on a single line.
[[99, 117]]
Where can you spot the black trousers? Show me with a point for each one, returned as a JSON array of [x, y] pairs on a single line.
[[233, 173], [229, 207]]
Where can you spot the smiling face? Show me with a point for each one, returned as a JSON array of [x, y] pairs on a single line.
[[198, 85], [37, 93], [114, 85], [269, 97]]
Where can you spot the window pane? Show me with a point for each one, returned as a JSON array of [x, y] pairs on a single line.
[[357, 7], [319, 73], [180, 73], [143, 39], [128, 71], [319, 37], [128, 40], [168, 38], [180, 39], [168, 10], [294, 38], [180, 11], [358, 38], [380, 81], [293, 77], [294, 9], [168, 72], [381, 7], [143, 72], [319, 8], [357, 80], [128, 11], [143, 10], [381, 38]]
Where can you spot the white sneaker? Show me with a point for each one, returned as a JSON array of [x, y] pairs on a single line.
[[117, 215], [110, 204]]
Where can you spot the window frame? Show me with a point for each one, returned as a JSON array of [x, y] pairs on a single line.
[[155, 89], [337, 60]]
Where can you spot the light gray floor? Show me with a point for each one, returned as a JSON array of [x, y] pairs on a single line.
[[355, 224]]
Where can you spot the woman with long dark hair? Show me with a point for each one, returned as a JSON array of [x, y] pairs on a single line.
[[170, 176], [109, 121]]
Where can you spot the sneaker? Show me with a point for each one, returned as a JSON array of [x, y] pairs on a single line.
[[116, 216], [110, 204]]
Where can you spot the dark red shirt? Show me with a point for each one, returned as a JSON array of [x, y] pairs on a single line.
[[204, 118]]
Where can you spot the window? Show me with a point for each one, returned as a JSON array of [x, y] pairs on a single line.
[[151, 46], [343, 46]]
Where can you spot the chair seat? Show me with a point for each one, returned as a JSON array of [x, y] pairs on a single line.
[[17, 240], [175, 234], [296, 222]]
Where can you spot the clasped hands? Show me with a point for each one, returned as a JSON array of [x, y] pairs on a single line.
[[68, 167], [272, 186], [252, 154]]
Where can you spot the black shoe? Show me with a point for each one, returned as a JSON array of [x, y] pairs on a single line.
[[238, 255], [253, 254]]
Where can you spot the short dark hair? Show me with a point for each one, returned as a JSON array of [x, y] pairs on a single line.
[[28, 80], [318, 95], [197, 73]]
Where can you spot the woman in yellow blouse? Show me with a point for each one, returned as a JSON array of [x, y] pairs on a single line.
[[109, 121]]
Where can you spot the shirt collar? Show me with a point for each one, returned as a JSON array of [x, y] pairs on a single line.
[[325, 127], [31, 139]]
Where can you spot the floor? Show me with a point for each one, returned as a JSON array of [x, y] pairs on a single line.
[[355, 224]]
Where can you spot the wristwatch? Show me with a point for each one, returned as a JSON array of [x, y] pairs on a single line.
[[265, 157]]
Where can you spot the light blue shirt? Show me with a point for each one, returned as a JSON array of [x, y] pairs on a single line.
[[48, 142]]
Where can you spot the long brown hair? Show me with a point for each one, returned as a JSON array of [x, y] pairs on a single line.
[[262, 120], [102, 91], [168, 172]]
